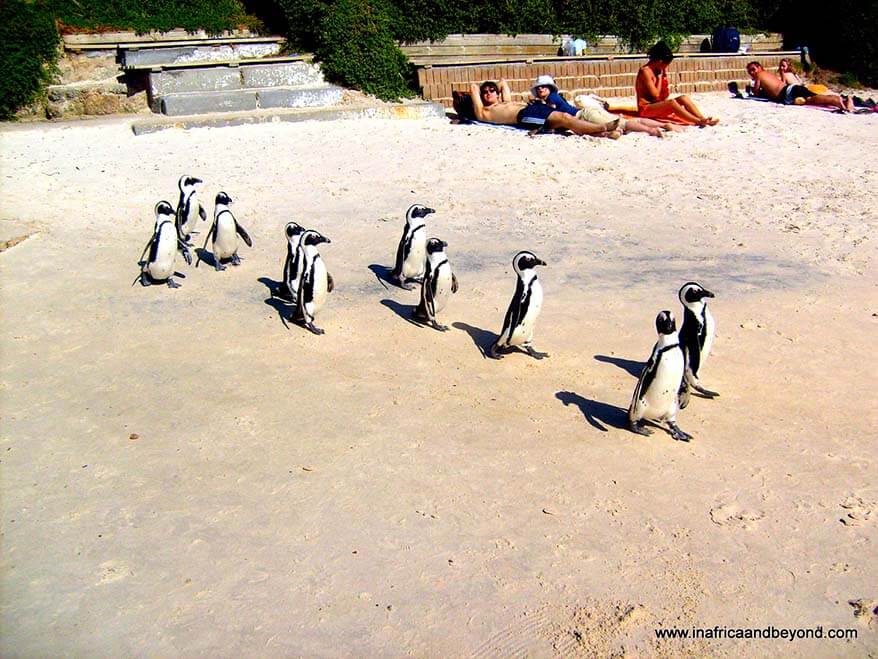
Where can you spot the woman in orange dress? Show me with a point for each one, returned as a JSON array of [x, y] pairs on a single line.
[[653, 93]]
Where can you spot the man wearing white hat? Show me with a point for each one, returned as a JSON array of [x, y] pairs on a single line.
[[492, 102]]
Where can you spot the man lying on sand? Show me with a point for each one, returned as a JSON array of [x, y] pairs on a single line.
[[770, 85], [492, 102]]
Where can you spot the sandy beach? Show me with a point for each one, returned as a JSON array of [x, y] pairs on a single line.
[[182, 474]]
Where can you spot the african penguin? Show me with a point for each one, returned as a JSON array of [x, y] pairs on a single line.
[[290, 284], [411, 255], [696, 338], [655, 396], [315, 283], [189, 208], [524, 308], [224, 233], [162, 247], [438, 285]]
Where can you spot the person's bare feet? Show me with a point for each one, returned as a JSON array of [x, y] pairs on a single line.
[[612, 126]]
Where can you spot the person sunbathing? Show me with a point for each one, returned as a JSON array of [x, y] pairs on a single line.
[[653, 93], [769, 85], [786, 73], [594, 109], [492, 102]]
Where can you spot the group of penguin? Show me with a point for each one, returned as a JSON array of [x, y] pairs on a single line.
[[663, 387]]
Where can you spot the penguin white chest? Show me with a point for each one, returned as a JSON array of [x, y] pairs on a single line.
[[524, 332], [443, 287], [660, 399], [415, 262], [709, 332], [226, 241], [320, 283], [163, 265]]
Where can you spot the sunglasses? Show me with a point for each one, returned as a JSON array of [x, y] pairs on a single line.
[[489, 90]]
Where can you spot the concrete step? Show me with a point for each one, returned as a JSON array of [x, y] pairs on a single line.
[[147, 55], [237, 100], [416, 110], [244, 75]]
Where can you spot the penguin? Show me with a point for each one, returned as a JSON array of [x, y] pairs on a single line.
[[162, 247], [438, 285], [411, 255], [696, 338], [518, 325], [315, 283], [189, 207], [655, 396], [286, 292], [224, 233]]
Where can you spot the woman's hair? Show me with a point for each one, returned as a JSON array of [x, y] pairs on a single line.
[[788, 62], [660, 52]]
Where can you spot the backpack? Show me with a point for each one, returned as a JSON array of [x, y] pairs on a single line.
[[726, 40]]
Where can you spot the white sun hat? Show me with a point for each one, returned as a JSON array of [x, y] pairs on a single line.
[[544, 81]]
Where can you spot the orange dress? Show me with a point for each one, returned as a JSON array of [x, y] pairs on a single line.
[[649, 110]]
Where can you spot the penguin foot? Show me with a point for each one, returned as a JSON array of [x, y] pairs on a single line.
[[494, 352], [187, 257], [441, 328], [404, 284], [236, 260], [639, 428], [144, 279], [683, 398], [315, 330], [705, 392], [678, 434], [536, 355], [172, 283], [218, 266]]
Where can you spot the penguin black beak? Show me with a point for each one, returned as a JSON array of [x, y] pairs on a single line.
[[427, 211], [707, 294], [541, 262], [444, 244], [324, 239]]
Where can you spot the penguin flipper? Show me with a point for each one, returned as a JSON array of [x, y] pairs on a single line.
[[453, 283], [201, 212], [244, 235], [330, 283], [148, 245]]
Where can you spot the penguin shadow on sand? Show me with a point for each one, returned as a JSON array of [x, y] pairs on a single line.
[[630, 366], [599, 415], [285, 308], [483, 339], [404, 311], [382, 274]]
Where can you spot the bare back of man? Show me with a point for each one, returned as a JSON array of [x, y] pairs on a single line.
[[494, 104]]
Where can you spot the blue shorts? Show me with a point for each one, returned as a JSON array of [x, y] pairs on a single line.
[[534, 115], [790, 93]]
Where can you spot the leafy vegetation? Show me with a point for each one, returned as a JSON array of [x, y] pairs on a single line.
[[28, 51]]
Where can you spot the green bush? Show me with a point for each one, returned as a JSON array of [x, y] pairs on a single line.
[[213, 16], [28, 52], [357, 48]]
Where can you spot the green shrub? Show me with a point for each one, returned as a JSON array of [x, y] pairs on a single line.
[[28, 52], [213, 16], [357, 48]]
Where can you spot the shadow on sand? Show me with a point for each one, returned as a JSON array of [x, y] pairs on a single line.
[[596, 412], [628, 365]]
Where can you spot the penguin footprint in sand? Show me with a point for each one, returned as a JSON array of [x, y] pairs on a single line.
[[524, 308], [224, 234], [315, 283], [162, 247], [438, 285], [411, 254], [655, 397]]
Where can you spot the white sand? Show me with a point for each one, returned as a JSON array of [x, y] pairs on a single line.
[[383, 489]]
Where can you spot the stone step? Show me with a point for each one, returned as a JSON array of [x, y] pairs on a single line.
[[146, 55], [416, 110], [237, 100], [288, 72]]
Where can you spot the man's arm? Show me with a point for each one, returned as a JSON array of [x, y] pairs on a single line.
[[505, 92], [478, 106]]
